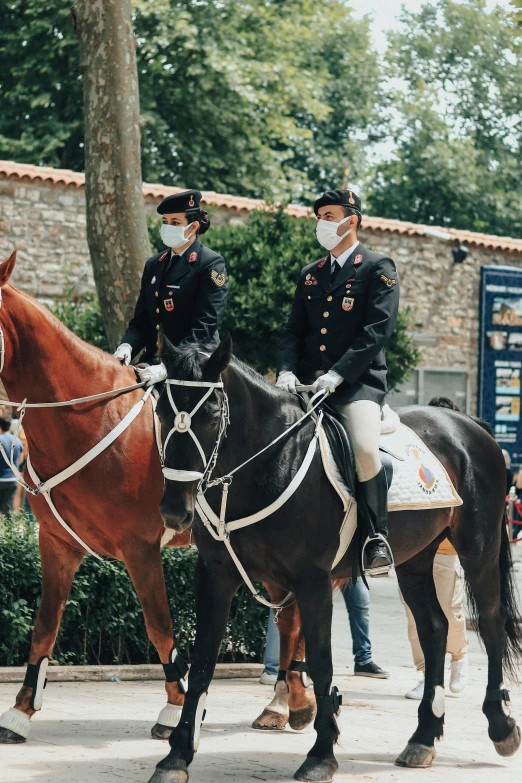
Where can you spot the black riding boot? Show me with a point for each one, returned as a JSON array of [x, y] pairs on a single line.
[[373, 498]]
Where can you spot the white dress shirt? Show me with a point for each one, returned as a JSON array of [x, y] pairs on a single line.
[[343, 258]]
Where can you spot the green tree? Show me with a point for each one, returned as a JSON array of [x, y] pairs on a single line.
[[456, 121], [264, 98], [82, 315]]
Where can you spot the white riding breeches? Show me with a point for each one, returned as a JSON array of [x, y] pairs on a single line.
[[362, 421]]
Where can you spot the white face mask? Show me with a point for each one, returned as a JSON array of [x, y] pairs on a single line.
[[327, 235], [174, 236]]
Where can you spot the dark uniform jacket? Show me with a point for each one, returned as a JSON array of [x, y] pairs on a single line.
[[343, 324], [186, 295]]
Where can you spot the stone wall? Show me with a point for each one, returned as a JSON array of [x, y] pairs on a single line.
[[46, 223]]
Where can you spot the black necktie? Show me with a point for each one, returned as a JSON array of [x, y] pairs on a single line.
[[335, 268]]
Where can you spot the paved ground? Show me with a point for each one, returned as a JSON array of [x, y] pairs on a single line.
[[98, 732]]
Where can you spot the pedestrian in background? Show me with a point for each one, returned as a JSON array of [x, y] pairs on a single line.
[[8, 482]]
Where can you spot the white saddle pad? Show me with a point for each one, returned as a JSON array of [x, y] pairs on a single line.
[[419, 479]]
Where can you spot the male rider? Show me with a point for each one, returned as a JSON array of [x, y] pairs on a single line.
[[343, 314]]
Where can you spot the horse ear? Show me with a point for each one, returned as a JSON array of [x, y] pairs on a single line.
[[220, 359], [6, 268]]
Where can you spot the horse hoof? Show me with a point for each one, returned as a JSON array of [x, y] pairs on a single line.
[[510, 745], [270, 721], [300, 719], [315, 769], [8, 737], [158, 731], [416, 755], [170, 776]]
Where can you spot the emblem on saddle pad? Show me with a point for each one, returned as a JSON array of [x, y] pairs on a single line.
[[169, 304], [426, 479], [347, 303]]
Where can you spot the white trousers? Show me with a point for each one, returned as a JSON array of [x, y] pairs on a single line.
[[362, 421], [449, 584]]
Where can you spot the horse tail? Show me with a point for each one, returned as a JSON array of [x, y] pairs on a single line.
[[509, 607]]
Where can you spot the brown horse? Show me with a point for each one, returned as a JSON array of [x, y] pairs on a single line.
[[112, 503]]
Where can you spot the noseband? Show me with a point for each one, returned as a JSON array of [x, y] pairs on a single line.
[[183, 424]]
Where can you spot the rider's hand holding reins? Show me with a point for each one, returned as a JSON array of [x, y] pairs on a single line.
[[329, 381], [124, 353], [288, 381], [152, 373]]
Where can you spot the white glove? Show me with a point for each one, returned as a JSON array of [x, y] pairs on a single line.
[[287, 380], [329, 381], [152, 373], [124, 353]]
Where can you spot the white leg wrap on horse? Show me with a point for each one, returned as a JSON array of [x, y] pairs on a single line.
[[170, 715], [438, 705], [16, 721], [279, 703], [40, 684], [198, 720]]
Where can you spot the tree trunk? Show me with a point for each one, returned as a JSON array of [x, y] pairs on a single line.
[[116, 222]]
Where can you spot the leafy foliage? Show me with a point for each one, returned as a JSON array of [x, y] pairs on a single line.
[[256, 97], [456, 120], [109, 631], [264, 257], [82, 315]]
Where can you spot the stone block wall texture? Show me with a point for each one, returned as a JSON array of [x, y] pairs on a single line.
[[46, 223]]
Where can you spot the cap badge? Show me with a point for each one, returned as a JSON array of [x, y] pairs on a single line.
[[169, 304], [193, 257], [351, 199], [347, 303], [191, 201], [358, 259]]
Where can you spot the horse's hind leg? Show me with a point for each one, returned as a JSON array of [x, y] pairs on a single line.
[[314, 597], [418, 589], [486, 560], [59, 564], [214, 588], [145, 568]]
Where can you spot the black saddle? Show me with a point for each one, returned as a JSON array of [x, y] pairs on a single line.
[[343, 453]]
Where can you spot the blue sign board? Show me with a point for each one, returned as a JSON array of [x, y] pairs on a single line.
[[501, 355]]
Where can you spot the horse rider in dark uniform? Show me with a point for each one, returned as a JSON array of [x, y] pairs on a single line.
[[183, 290], [343, 314]]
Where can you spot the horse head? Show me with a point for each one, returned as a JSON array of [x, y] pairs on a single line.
[[192, 409]]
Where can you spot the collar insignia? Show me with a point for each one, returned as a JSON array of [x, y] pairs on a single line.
[[160, 259], [322, 262], [193, 257], [358, 259]]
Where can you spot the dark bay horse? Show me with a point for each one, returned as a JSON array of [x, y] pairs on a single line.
[[295, 547], [112, 504]]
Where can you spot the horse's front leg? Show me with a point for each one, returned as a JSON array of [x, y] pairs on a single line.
[[145, 567], [59, 564], [214, 591], [418, 589], [314, 597]]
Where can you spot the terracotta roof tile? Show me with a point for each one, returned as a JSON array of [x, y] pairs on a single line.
[[66, 177]]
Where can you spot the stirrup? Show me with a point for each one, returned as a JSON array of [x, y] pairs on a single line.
[[379, 570]]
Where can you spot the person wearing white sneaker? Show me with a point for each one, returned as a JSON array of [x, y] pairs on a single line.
[[449, 584]]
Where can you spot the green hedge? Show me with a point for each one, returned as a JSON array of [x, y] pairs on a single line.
[[103, 622]]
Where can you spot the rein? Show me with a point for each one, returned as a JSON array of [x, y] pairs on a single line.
[[223, 529]]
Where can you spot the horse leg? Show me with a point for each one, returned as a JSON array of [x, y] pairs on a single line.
[[59, 564], [214, 589], [418, 589], [145, 568], [314, 597], [488, 570]]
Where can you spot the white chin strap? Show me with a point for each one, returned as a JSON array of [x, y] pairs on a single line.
[[183, 424]]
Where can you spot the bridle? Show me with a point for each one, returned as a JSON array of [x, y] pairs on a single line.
[[183, 425], [216, 525]]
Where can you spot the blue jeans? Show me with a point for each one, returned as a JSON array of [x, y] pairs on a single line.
[[357, 600], [271, 657]]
